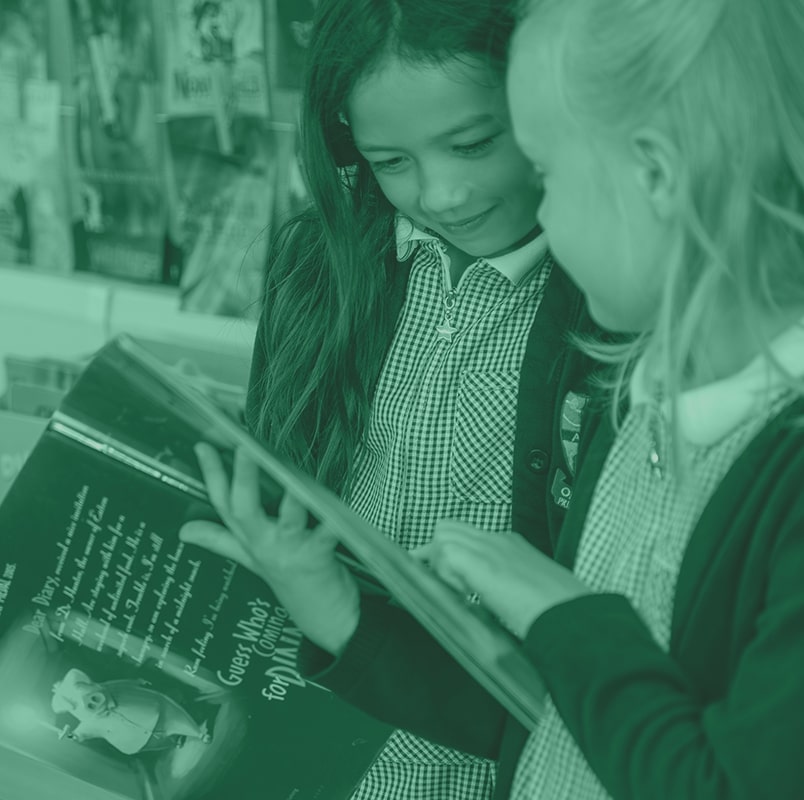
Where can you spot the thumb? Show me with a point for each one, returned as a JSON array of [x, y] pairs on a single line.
[[292, 515]]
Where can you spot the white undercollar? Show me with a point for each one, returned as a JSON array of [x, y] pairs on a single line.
[[706, 414], [514, 265]]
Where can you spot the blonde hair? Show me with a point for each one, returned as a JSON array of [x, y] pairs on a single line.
[[724, 80]]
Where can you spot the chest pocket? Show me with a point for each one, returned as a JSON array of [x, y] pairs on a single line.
[[482, 453]]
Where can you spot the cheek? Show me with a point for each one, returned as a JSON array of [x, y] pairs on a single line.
[[400, 191], [519, 189], [509, 172]]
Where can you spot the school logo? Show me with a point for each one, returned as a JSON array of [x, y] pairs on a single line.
[[570, 432], [571, 415]]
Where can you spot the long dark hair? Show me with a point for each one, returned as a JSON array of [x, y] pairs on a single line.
[[328, 303]]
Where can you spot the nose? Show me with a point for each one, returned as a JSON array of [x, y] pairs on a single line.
[[94, 701], [441, 191]]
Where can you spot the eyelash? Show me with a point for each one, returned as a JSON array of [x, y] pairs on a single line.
[[476, 147], [464, 149]]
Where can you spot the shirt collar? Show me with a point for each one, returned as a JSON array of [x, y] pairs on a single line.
[[707, 414], [514, 265]]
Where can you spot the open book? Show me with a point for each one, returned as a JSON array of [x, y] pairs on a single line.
[[133, 666], [155, 670]]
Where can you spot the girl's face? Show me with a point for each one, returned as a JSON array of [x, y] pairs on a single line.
[[439, 141], [597, 210]]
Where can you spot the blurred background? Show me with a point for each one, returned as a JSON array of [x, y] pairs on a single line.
[[147, 151]]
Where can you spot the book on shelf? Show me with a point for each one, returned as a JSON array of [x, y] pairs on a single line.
[[221, 153], [116, 142], [154, 669], [215, 62], [35, 227], [133, 666]]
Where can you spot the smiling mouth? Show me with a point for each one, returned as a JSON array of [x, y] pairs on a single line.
[[467, 223]]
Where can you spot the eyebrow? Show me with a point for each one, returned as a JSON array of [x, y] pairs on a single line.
[[468, 124]]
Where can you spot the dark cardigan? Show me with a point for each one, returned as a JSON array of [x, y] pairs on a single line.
[[719, 717]]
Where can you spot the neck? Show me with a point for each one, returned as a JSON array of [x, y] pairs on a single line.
[[460, 260], [727, 345]]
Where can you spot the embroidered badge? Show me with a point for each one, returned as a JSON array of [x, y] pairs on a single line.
[[571, 415], [570, 432]]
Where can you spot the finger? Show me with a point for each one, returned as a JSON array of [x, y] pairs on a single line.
[[292, 515], [423, 553], [482, 544], [445, 532], [321, 540], [216, 539], [451, 574], [452, 530], [215, 477], [456, 561], [244, 493]]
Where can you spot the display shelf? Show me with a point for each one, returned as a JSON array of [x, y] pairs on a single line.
[[72, 316]]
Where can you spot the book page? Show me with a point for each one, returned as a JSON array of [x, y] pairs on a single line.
[[135, 663]]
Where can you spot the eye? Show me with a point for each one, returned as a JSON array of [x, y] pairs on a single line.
[[387, 165], [475, 147]]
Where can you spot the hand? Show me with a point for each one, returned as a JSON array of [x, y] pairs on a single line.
[[514, 580], [299, 564]]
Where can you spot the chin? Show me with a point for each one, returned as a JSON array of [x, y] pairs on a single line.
[[613, 320]]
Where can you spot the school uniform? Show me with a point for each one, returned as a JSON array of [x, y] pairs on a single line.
[[451, 426], [680, 676]]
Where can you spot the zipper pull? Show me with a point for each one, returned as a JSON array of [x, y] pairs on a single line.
[[446, 329]]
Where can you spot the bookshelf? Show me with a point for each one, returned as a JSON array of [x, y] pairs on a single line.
[[71, 316]]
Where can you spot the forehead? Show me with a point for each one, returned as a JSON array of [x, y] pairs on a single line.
[[539, 117], [404, 104]]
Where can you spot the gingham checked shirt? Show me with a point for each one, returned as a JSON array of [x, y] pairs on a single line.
[[639, 523], [439, 445]]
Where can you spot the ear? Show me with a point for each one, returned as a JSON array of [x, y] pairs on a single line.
[[658, 170]]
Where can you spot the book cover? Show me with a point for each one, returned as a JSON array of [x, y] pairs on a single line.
[[131, 665], [293, 21], [119, 145]]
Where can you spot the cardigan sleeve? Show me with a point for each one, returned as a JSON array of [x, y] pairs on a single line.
[[396, 672], [643, 726]]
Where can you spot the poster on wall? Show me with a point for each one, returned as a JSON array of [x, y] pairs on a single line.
[[119, 146], [34, 226]]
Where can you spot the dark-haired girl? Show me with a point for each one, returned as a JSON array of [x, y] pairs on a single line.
[[413, 306]]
